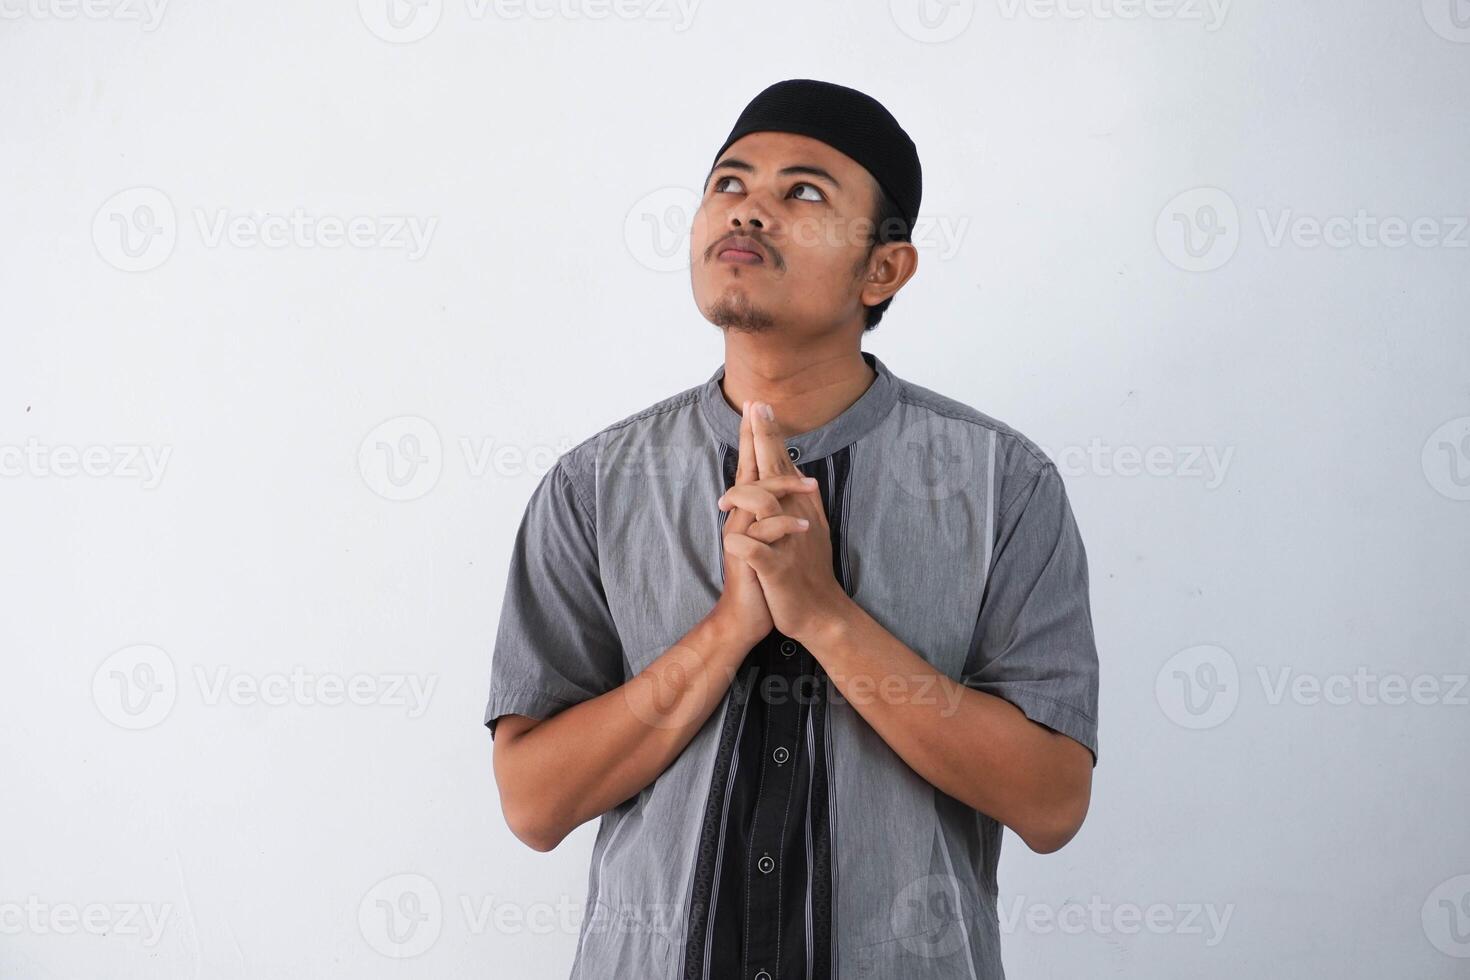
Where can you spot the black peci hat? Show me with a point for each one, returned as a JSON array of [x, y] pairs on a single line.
[[847, 120]]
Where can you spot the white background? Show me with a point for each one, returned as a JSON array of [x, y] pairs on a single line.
[[550, 157]]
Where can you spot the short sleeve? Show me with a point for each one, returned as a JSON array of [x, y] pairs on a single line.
[[1034, 644], [556, 644]]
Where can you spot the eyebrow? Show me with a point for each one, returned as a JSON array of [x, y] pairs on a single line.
[[732, 163]]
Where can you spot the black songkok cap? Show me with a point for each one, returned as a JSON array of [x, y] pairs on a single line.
[[847, 120]]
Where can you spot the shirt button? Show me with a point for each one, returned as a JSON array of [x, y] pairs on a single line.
[[766, 864], [788, 647], [781, 754], [793, 452], [763, 975]]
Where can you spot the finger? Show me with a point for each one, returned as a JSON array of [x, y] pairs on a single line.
[[808, 505], [748, 496], [746, 470], [770, 447], [763, 495], [756, 554], [773, 529], [738, 520], [789, 483]]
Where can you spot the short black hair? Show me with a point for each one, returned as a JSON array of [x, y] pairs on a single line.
[[888, 226]]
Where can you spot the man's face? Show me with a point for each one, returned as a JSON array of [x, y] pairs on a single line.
[[808, 210]]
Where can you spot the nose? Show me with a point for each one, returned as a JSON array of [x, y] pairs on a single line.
[[751, 219], [751, 212]]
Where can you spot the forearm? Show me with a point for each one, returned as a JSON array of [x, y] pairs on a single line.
[[978, 748], [585, 760]]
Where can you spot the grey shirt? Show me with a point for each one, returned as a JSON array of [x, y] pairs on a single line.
[[952, 530]]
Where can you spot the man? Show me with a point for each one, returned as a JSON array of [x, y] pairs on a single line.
[[804, 636]]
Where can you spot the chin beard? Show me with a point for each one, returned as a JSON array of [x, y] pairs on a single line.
[[733, 311]]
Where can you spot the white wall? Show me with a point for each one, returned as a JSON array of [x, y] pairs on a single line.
[[249, 538]]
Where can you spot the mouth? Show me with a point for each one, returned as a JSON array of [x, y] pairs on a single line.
[[740, 250]]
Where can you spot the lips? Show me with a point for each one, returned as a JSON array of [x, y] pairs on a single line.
[[741, 249]]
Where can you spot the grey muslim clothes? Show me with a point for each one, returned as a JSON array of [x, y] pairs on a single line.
[[788, 840]]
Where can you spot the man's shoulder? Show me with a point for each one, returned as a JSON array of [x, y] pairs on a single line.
[[1016, 455], [658, 423]]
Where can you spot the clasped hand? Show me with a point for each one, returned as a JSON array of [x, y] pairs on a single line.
[[778, 543]]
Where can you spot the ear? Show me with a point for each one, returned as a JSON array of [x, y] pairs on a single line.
[[891, 266]]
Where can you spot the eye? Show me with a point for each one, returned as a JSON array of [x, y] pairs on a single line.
[[813, 188], [718, 186]]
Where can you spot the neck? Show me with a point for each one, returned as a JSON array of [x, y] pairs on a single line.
[[807, 386]]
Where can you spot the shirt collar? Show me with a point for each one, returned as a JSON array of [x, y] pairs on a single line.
[[854, 422]]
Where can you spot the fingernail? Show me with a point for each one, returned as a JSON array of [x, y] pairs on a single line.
[[767, 412], [810, 481], [803, 522]]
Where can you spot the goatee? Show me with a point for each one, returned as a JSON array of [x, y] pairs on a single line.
[[733, 311]]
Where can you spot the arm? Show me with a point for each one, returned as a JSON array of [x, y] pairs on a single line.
[[556, 774], [583, 760], [977, 747]]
